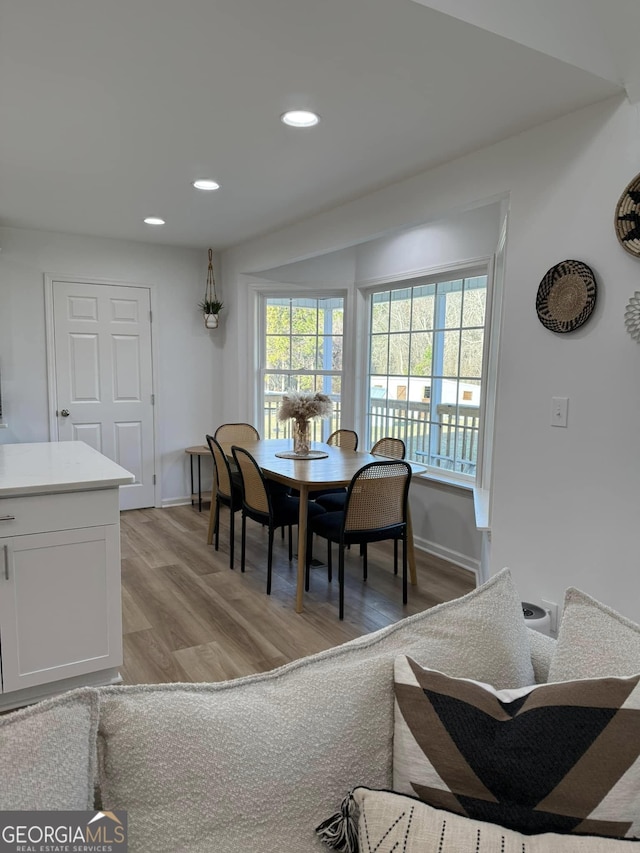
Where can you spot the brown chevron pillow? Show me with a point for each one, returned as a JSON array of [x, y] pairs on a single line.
[[561, 757]]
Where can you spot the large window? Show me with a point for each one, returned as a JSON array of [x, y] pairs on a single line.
[[302, 351], [425, 382]]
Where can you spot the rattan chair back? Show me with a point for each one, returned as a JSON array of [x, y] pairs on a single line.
[[256, 496], [393, 448], [345, 438], [222, 471], [236, 432], [377, 496]]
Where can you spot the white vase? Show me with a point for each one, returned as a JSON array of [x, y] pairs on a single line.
[[211, 321]]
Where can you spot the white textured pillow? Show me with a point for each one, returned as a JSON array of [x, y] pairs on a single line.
[[411, 826], [594, 641], [47, 754], [256, 763]]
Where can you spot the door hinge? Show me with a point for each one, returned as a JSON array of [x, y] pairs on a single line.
[[154, 479], [151, 316], [153, 399]]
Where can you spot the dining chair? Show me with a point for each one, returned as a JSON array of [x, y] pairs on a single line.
[[346, 438], [236, 432], [375, 510], [388, 446], [272, 508], [393, 448], [227, 488]]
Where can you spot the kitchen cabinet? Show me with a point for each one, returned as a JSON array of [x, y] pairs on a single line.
[[60, 601]]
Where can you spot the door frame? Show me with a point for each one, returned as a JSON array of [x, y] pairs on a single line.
[[49, 279]]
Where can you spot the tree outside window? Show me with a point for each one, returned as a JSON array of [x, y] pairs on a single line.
[[303, 349]]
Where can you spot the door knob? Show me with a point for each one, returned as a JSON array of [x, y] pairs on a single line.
[[65, 413]]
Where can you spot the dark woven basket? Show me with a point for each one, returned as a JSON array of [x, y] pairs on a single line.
[[566, 296], [627, 218]]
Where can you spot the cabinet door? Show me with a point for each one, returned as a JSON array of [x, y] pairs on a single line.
[[60, 610]]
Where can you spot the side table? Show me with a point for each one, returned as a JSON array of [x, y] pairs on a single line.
[[198, 451]]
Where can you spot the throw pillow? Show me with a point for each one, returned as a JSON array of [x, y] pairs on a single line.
[[257, 762], [594, 641], [47, 754], [549, 758], [389, 822]]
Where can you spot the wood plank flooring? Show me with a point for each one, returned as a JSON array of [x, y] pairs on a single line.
[[188, 617]]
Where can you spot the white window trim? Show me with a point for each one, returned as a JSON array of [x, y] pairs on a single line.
[[258, 293], [483, 265]]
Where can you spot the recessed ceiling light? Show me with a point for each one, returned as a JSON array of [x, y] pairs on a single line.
[[154, 220], [206, 184], [300, 118]]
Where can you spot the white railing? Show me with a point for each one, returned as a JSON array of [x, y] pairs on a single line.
[[449, 442]]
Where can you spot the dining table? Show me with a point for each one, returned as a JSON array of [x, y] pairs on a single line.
[[335, 467]]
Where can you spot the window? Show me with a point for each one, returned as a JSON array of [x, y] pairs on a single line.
[[302, 351], [425, 382]]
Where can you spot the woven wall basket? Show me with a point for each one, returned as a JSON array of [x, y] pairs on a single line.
[[566, 296], [627, 218]]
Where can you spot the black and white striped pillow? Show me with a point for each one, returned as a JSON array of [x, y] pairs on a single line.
[[390, 822]]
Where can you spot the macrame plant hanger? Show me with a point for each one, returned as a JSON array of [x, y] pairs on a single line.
[[211, 298]]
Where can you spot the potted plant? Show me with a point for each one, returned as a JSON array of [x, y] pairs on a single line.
[[210, 305], [210, 309]]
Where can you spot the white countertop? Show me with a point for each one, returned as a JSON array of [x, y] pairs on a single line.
[[58, 466]]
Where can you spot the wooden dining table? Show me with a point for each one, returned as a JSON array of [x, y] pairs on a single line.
[[309, 475]]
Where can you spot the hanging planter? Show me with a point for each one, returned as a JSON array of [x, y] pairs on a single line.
[[211, 318], [210, 305]]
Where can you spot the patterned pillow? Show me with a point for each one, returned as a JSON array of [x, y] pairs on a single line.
[[561, 757], [392, 822], [594, 641]]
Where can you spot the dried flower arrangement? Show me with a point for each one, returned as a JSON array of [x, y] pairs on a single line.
[[303, 407]]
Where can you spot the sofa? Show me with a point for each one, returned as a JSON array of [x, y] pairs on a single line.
[[257, 763]]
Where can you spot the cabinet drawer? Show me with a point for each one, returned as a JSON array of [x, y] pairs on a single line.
[[61, 511]]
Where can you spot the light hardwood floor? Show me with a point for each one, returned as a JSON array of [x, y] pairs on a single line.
[[188, 617]]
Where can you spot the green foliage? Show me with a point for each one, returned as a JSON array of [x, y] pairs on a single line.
[[210, 306]]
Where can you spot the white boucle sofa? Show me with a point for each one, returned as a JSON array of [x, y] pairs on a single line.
[[255, 764]]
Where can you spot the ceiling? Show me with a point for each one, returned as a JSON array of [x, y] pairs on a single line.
[[110, 109]]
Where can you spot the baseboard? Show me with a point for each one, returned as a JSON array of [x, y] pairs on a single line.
[[462, 560], [167, 502]]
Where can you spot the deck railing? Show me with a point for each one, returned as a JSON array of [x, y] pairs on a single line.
[[450, 441]]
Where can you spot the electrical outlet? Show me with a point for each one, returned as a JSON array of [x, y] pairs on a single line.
[[552, 609]]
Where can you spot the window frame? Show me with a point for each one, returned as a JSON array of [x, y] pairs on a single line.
[[322, 428], [416, 278]]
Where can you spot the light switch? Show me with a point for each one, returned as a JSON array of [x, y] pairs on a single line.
[[559, 411]]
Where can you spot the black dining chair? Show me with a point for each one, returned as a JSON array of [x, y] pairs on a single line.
[[389, 447], [271, 508], [375, 509], [227, 487], [236, 432]]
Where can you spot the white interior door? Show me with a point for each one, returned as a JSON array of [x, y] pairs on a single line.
[[104, 379]]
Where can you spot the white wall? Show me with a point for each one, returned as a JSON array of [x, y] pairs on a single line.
[[188, 356], [467, 236], [565, 502]]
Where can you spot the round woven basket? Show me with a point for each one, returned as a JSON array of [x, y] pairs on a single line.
[[627, 218], [566, 296]]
